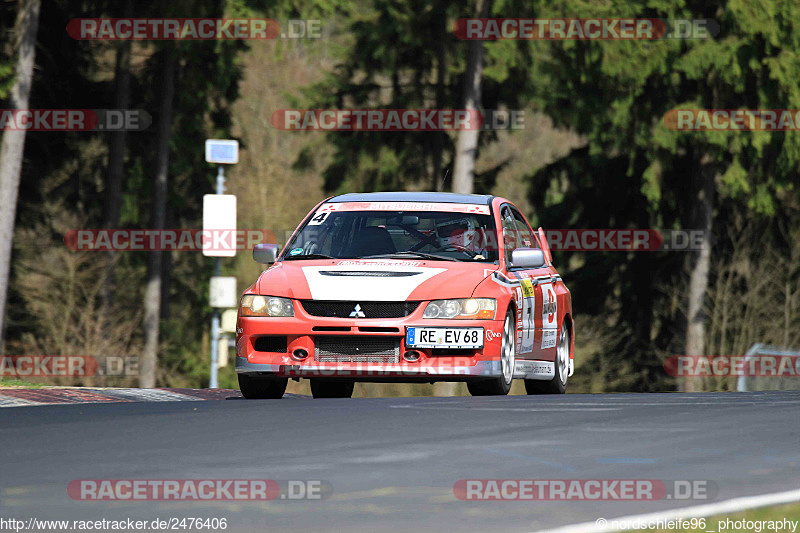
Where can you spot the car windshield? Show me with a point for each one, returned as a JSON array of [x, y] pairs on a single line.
[[430, 235]]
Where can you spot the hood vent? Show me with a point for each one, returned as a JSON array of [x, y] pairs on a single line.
[[367, 273]]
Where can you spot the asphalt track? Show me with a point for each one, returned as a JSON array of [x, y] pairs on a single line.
[[393, 462]]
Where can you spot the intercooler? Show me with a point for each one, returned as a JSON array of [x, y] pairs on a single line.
[[357, 349]]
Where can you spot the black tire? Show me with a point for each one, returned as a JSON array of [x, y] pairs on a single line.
[[557, 385], [501, 385], [321, 388], [262, 388]]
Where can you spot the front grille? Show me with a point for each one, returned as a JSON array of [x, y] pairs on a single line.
[[357, 349], [377, 329], [343, 309], [271, 343]]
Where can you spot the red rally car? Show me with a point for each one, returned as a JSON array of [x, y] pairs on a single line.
[[411, 287]]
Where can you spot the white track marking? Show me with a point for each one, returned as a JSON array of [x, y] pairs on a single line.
[[9, 401], [509, 409], [696, 511], [149, 395]]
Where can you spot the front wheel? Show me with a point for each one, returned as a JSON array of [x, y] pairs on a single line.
[[557, 385], [508, 356], [321, 388], [259, 388]]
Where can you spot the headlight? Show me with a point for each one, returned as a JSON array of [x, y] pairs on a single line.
[[474, 308], [257, 305]]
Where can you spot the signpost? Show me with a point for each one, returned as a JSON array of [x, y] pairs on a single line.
[[227, 326], [219, 214], [219, 225], [222, 152], [222, 292]]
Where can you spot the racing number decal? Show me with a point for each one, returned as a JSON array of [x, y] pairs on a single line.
[[318, 219], [549, 316], [528, 305], [549, 306]]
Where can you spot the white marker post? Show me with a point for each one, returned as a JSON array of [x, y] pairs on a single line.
[[219, 213]]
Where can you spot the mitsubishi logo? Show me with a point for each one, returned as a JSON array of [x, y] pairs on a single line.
[[357, 312]]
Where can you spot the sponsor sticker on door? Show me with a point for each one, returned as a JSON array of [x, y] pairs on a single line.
[[549, 338]]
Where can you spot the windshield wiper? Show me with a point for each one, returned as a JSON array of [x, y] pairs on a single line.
[[409, 253], [307, 256]]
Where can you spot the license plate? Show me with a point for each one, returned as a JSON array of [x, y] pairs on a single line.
[[417, 337]]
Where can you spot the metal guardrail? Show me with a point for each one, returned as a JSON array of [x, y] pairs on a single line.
[[761, 349]]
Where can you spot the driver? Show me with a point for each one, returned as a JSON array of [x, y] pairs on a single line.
[[459, 233]]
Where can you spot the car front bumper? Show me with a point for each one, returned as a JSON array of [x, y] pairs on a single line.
[[303, 331], [403, 371]]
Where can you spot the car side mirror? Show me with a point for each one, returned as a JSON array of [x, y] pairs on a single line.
[[527, 258], [266, 254]]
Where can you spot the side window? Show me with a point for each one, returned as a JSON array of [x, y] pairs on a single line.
[[509, 232], [525, 236]]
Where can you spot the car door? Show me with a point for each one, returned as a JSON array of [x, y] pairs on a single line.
[[545, 284], [539, 301], [526, 296]]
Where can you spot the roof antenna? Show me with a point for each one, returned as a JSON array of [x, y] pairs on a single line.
[[446, 173]]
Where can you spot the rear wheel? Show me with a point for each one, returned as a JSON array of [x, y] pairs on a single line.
[[557, 385], [321, 388], [500, 386], [261, 388]]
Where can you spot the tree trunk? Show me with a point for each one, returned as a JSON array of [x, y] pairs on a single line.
[[116, 153], [152, 297], [166, 272], [12, 147], [467, 144], [439, 136], [703, 206]]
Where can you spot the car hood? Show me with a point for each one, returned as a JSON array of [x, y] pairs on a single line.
[[372, 280]]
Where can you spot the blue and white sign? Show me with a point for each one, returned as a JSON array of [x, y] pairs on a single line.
[[222, 151]]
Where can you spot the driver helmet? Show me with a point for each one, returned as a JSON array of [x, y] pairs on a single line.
[[460, 232]]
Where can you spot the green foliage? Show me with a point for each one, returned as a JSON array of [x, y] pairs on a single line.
[[632, 171], [70, 74], [393, 63], [616, 94], [6, 79]]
